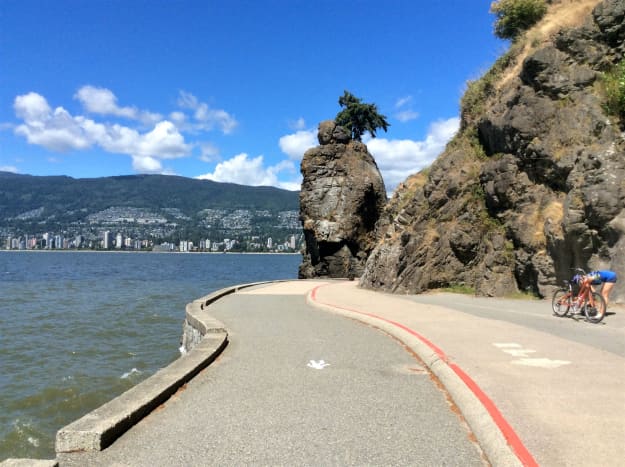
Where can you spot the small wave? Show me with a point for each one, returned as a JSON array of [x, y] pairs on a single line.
[[128, 373], [33, 441], [19, 425]]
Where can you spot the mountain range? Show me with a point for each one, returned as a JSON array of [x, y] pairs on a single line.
[[20, 193], [35, 204]]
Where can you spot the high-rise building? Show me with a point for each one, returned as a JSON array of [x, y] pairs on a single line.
[[47, 241], [107, 240], [119, 240]]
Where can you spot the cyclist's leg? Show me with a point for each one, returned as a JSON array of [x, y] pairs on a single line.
[[605, 291], [581, 296]]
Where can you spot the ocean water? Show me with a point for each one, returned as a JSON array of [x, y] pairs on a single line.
[[79, 328]]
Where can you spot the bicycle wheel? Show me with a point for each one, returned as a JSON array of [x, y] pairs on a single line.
[[561, 302], [595, 313]]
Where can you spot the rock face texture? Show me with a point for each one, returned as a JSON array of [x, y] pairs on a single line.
[[532, 185], [341, 199]]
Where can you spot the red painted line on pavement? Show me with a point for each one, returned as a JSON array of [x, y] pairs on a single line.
[[513, 440]]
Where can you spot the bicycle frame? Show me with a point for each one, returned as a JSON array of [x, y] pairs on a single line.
[[585, 293], [586, 299]]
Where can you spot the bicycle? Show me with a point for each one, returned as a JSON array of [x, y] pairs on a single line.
[[588, 301]]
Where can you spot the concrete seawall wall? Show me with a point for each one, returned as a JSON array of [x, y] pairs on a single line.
[[198, 322], [203, 339]]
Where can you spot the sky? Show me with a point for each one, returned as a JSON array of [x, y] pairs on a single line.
[[231, 91]]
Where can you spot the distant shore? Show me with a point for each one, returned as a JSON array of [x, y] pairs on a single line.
[[155, 252]]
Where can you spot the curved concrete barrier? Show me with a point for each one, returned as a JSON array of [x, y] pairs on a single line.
[[100, 427], [204, 338], [11, 462]]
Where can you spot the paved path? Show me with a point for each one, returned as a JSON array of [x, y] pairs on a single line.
[[558, 382], [299, 386], [550, 390]]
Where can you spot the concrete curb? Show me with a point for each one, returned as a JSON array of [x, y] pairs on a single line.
[[28, 463], [101, 427], [488, 435]]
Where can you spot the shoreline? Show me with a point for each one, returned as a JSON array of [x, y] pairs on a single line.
[[154, 252]]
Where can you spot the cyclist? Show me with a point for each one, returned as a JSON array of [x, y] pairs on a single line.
[[605, 277]]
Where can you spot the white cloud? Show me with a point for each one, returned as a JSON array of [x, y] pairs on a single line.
[[8, 168], [208, 152], [406, 115], [31, 107], [59, 131], [298, 124], [206, 118], [402, 101], [399, 158], [244, 170], [179, 118], [296, 144], [146, 164], [164, 142], [149, 143], [102, 101], [55, 130]]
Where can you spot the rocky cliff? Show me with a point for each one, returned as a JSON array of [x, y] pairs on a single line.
[[341, 199], [532, 185]]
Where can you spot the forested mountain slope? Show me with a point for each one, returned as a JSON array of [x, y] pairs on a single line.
[[59, 194]]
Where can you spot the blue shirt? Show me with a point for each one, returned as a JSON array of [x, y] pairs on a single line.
[[603, 276]]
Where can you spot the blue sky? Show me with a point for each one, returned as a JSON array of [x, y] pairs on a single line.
[[229, 90]]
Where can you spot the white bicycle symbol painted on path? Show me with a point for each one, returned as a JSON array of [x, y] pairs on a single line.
[[317, 364]]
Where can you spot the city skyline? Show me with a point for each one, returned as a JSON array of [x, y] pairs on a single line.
[[126, 227], [48, 241]]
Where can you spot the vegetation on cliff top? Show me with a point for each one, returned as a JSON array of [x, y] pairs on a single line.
[[514, 17], [359, 117]]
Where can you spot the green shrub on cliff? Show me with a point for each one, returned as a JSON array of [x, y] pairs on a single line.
[[516, 16], [614, 82], [359, 117]]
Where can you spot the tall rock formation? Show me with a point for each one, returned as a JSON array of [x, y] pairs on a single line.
[[531, 186], [341, 200]]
